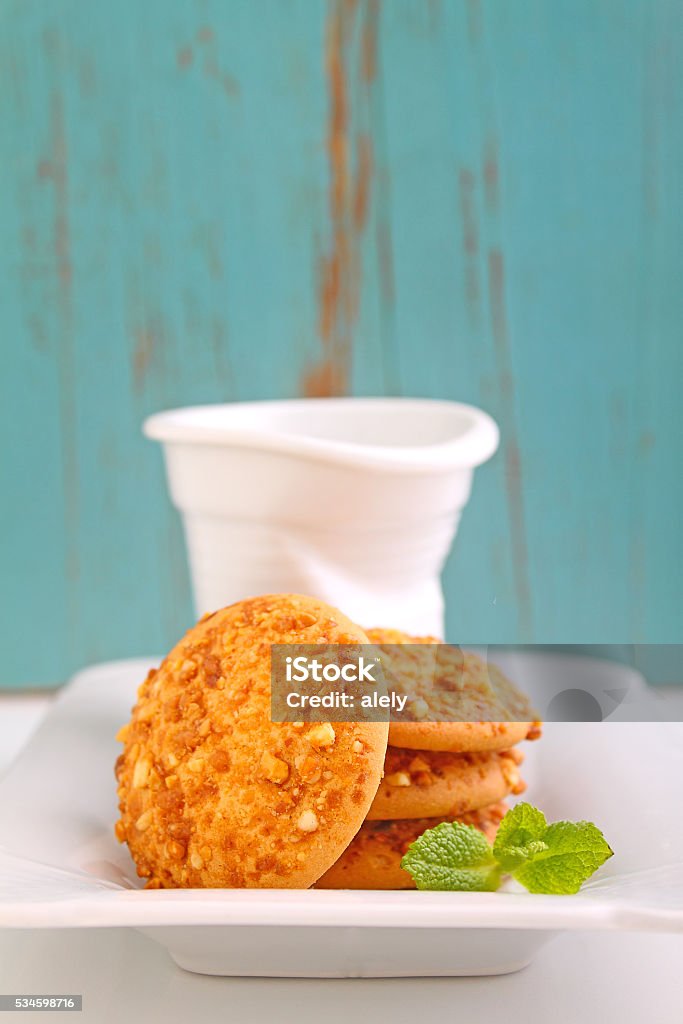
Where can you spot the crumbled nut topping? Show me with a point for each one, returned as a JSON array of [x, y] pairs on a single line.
[[322, 735], [220, 760], [141, 772], [420, 708], [144, 821], [398, 779], [309, 768], [274, 769], [307, 822]]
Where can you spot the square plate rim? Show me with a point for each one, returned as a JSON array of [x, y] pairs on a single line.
[[367, 909]]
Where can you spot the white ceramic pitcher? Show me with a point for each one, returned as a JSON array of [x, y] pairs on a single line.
[[353, 500]]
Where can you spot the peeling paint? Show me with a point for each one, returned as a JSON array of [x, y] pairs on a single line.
[[143, 354], [328, 296], [369, 42], [37, 333], [184, 57], [337, 142], [473, 8], [206, 237], [219, 348], [228, 82], [385, 252], [334, 278], [53, 170], [361, 198], [339, 269], [470, 236], [490, 174], [210, 65], [470, 239], [511, 449], [646, 442], [324, 380]]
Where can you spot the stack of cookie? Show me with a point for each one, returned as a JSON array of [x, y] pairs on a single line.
[[215, 794], [437, 771]]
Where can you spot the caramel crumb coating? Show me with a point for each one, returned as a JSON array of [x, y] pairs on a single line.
[[214, 794], [373, 860], [430, 784]]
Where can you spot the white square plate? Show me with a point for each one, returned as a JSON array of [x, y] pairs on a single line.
[[60, 865]]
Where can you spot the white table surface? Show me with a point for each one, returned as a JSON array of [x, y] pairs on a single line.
[[612, 977]]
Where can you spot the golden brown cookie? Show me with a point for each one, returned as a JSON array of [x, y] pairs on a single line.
[[452, 688], [214, 794], [460, 737], [373, 859], [429, 784]]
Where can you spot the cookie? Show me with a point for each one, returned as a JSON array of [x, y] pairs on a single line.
[[214, 794], [455, 689], [460, 737], [428, 784], [373, 859]]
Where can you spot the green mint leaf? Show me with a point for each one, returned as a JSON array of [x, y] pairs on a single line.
[[512, 857], [522, 824], [518, 836], [574, 851], [554, 859], [452, 856]]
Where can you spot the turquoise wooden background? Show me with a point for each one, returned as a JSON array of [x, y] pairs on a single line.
[[220, 199]]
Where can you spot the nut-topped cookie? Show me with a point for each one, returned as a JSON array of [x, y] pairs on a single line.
[[457, 702], [431, 784], [214, 794], [373, 859]]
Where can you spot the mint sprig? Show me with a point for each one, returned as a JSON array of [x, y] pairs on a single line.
[[556, 858], [451, 858]]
